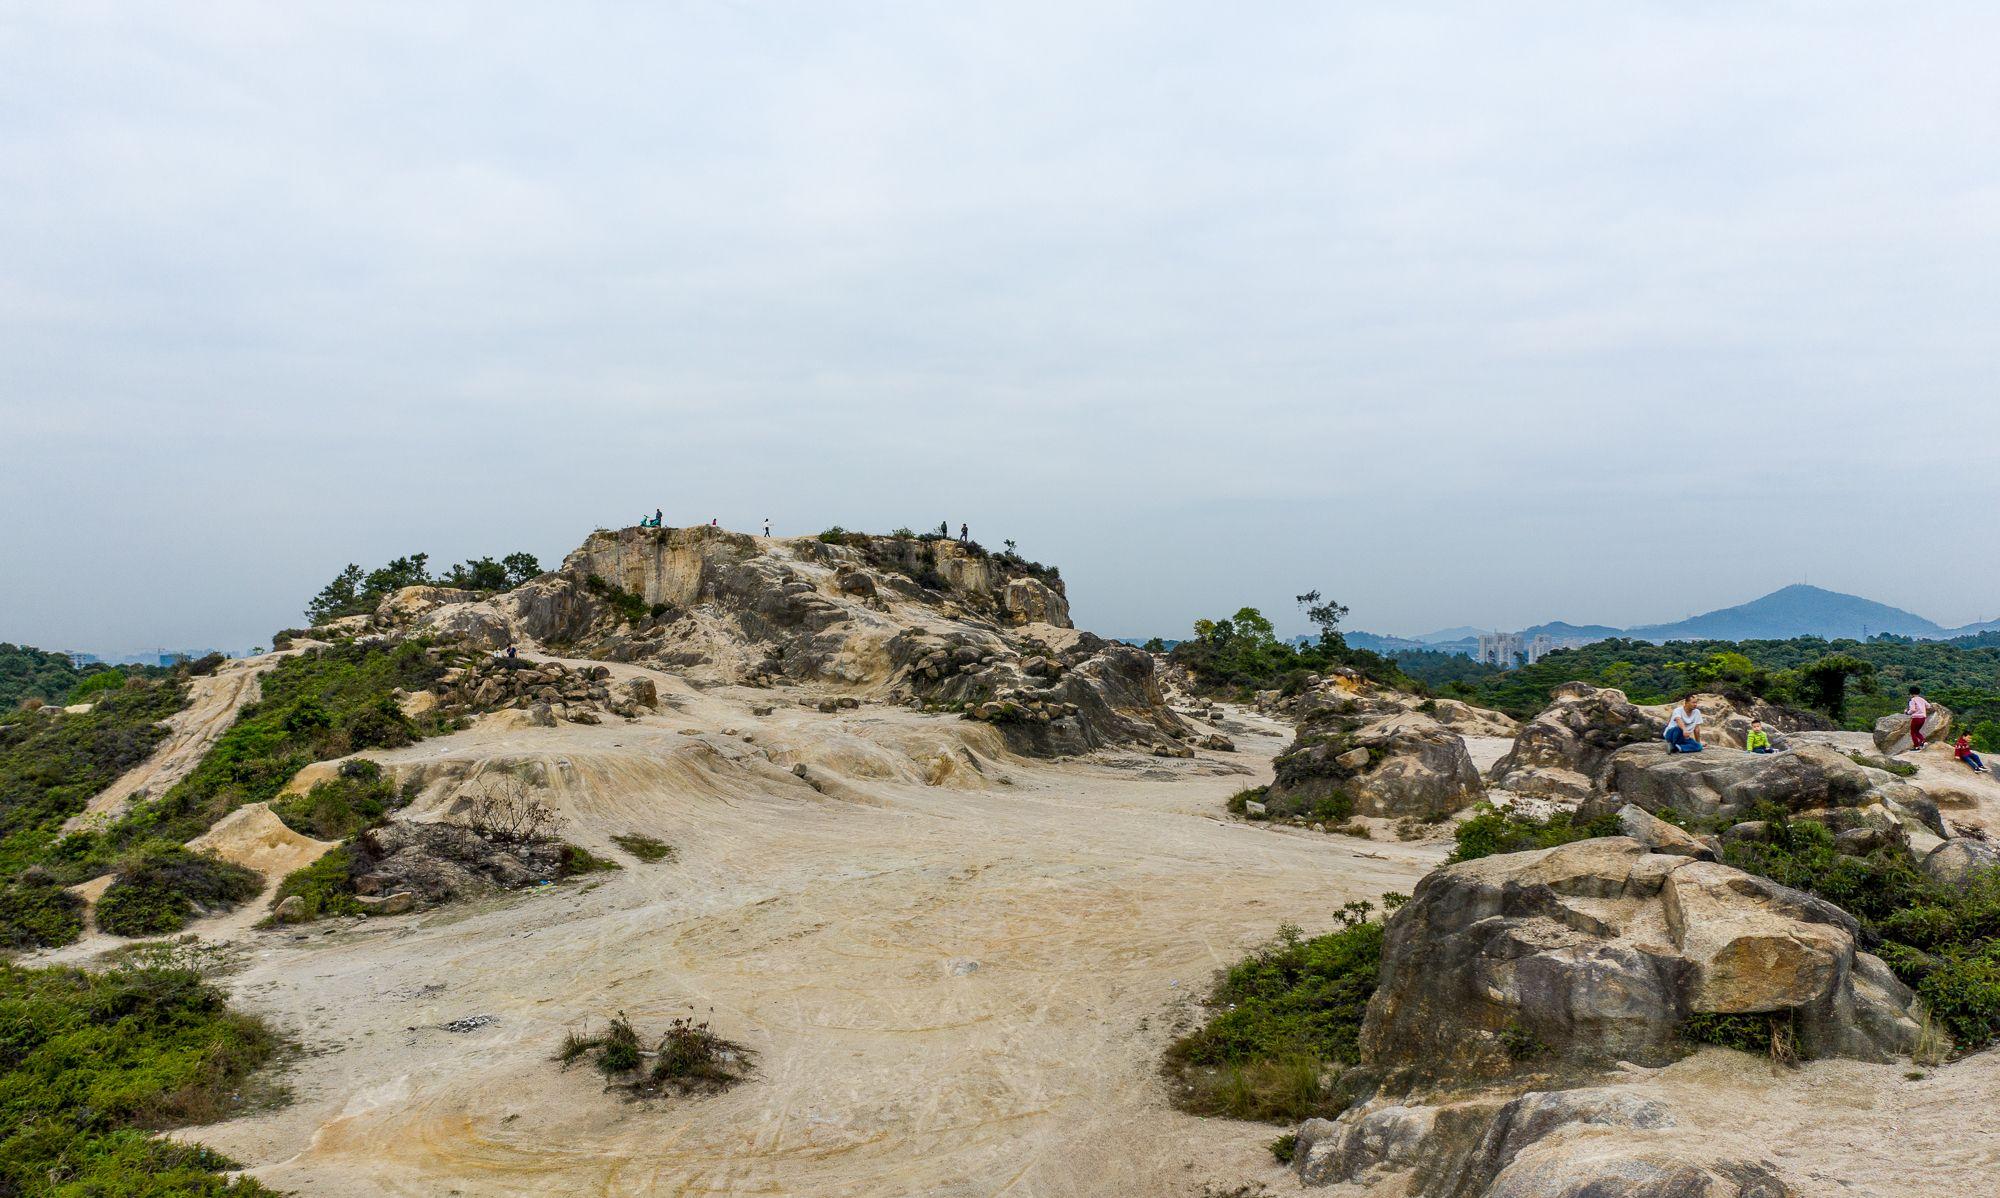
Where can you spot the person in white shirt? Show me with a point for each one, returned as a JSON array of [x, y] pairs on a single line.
[[1683, 733]]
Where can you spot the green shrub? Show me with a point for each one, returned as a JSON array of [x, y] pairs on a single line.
[[645, 848], [359, 798], [633, 607], [575, 860], [93, 1063], [94, 686], [326, 887], [1285, 1147], [35, 913], [1284, 1019], [1239, 803], [164, 885], [1491, 830]]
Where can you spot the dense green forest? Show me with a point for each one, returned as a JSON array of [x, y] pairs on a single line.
[[1853, 681], [27, 673]]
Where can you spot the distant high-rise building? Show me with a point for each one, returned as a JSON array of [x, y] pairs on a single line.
[[1501, 649]]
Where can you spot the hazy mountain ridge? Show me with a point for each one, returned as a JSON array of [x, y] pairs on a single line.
[[1793, 611]]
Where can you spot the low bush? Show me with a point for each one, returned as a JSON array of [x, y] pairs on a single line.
[[1284, 1021], [645, 848], [326, 887], [94, 1063], [688, 1058], [1239, 803], [35, 913], [1285, 1147], [164, 885], [577, 860], [1491, 830], [633, 607], [1766, 1033], [359, 798]]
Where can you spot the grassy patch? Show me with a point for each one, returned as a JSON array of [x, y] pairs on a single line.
[[1491, 830], [1902, 769], [645, 848], [1283, 1023], [92, 1063], [164, 885], [1239, 803]]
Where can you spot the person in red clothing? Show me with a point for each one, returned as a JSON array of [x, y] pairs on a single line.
[[1963, 751], [1919, 710]]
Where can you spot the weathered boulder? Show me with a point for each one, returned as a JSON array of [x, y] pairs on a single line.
[[1599, 949], [1485, 1147], [1958, 862], [1565, 751], [1659, 835], [1892, 732], [1032, 601], [640, 691], [1406, 765], [1725, 782]]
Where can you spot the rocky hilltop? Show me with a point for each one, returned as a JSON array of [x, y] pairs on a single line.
[[924, 622]]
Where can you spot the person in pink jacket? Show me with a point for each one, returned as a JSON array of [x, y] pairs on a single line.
[[1919, 710]]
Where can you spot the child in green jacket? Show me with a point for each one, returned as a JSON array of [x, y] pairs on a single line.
[[1758, 740]]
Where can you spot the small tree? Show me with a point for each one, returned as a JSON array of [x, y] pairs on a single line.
[[1823, 684], [1325, 615], [504, 811]]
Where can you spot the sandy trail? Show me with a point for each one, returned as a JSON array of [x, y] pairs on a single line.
[[952, 990], [213, 701]]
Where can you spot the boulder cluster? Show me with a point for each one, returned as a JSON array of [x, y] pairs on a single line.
[[1401, 766], [547, 690]]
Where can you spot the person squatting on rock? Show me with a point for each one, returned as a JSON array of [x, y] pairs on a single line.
[[1963, 751], [1919, 710], [1681, 734], [1757, 740]]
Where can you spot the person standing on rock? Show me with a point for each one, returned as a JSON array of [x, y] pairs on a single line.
[[1919, 711], [767, 526], [656, 517], [1683, 724], [963, 534]]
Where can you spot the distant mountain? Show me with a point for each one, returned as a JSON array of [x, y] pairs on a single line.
[[1467, 633], [1796, 610], [1560, 630]]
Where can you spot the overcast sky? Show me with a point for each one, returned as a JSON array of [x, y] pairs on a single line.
[[1463, 313]]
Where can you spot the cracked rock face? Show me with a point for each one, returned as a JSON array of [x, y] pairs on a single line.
[[1597, 950], [929, 623]]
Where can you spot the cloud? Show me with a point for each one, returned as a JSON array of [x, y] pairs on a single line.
[[1463, 313]]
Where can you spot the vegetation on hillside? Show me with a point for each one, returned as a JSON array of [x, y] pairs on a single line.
[[91, 1064], [881, 553], [163, 885], [1243, 653], [688, 1058], [27, 673], [1282, 1025], [356, 592], [1852, 682]]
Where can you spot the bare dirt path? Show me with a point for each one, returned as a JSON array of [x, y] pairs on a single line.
[[952, 990]]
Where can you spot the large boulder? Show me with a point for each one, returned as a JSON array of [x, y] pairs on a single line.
[[1509, 1148], [1725, 782], [1599, 949], [1960, 862], [1892, 732], [1564, 752], [1406, 765]]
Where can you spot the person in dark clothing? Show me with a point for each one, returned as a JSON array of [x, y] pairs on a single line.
[[963, 535]]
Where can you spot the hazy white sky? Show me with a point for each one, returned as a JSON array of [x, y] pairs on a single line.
[[1463, 313]]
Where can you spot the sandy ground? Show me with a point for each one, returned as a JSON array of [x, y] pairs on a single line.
[[959, 989], [957, 969]]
